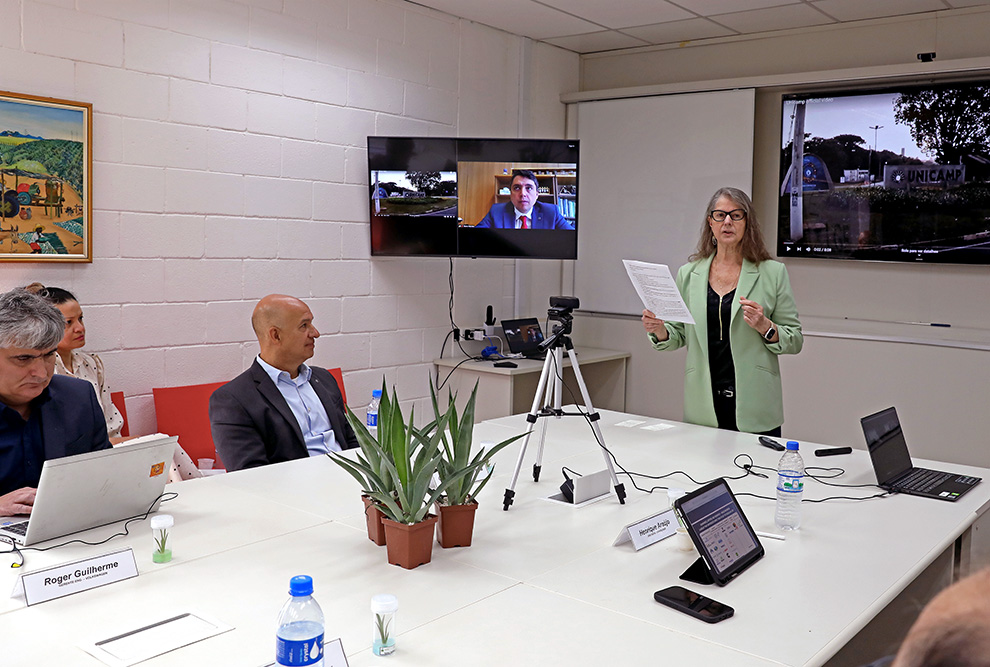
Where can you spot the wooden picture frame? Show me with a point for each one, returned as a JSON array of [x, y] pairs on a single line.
[[46, 162]]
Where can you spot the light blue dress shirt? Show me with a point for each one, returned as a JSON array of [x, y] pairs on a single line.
[[306, 407]]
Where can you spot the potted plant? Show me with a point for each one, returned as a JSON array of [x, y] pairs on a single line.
[[457, 507], [373, 454], [409, 459]]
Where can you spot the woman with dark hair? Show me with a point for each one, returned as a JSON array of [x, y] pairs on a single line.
[[71, 360], [745, 317]]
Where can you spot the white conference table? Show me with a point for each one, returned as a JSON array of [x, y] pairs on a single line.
[[541, 583]]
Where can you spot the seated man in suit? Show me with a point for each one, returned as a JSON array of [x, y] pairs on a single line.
[[42, 416], [279, 409], [524, 210]]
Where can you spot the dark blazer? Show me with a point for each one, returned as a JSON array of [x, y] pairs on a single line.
[[72, 419], [545, 216], [71, 423], [252, 425]]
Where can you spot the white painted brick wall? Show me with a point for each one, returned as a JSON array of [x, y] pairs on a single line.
[[163, 324], [158, 144], [10, 32], [279, 33], [239, 152], [203, 279], [314, 81], [230, 162], [278, 197], [123, 92], [313, 161], [159, 51], [204, 192], [305, 239], [145, 234], [81, 36], [152, 13], [281, 116], [240, 237], [247, 68], [123, 187], [369, 313], [204, 104]]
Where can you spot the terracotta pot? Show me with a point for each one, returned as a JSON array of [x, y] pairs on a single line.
[[409, 546], [373, 516], [456, 525]]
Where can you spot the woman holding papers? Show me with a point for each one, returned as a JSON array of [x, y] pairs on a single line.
[[745, 316]]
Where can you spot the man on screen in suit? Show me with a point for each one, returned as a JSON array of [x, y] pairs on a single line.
[[524, 210], [42, 416], [279, 409]]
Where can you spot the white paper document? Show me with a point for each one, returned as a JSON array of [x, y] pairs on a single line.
[[657, 290]]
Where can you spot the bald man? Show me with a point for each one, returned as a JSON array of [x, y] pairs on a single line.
[[279, 409], [953, 629]]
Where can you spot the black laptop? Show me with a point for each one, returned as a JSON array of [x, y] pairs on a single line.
[[892, 463], [524, 337]]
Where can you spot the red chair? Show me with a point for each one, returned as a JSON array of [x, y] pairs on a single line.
[[338, 376], [117, 398], [185, 412]]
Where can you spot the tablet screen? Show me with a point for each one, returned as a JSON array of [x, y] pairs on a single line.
[[720, 530]]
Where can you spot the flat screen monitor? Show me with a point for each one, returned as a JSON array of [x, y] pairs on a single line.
[[896, 174], [458, 197]]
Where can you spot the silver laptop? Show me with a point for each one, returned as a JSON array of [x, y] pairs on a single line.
[[89, 490]]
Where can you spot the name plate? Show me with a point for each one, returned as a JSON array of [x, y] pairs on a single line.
[[649, 531], [81, 575]]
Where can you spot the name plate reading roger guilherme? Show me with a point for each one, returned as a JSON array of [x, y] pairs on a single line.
[[82, 575]]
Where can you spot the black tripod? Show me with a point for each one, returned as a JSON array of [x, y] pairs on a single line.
[[560, 310]]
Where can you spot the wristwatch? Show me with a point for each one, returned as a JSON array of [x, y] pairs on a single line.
[[771, 332]]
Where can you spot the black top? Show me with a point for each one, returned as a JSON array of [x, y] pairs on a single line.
[[719, 352]]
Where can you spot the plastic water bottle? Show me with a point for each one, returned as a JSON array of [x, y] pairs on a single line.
[[790, 488], [371, 417], [299, 639]]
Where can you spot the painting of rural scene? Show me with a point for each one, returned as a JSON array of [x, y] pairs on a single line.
[[45, 159]]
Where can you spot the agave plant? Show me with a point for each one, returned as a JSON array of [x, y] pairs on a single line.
[[395, 469], [462, 487]]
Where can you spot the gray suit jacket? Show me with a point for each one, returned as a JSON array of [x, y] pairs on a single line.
[[252, 425]]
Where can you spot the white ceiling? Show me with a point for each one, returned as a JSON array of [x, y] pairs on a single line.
[[588, 26]]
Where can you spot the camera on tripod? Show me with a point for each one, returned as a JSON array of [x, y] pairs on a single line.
[[561, 307]]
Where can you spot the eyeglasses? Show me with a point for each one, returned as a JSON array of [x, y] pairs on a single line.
[[736, 215]]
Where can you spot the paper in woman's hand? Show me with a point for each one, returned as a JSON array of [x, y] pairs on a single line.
[[657, 290]]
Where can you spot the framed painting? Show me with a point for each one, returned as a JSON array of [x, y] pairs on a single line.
[[46, 159]]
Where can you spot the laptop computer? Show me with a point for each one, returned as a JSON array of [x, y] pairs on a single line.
[[94, 489], [524, 337], [893, 467]]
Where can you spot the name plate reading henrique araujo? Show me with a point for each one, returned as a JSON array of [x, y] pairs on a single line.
[[81, 575], [649, 530]]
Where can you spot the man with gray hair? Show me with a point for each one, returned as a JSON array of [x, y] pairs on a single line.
[[42, 416]]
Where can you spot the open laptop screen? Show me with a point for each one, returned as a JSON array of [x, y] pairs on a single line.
[[523, 336], [888, 449]]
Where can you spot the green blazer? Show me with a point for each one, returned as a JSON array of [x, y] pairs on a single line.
[[759, 399]]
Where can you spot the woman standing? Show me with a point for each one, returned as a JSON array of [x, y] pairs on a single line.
[[745, 317]]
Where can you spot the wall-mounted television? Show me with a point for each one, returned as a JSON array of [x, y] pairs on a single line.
[[897, 174], [458, 197]]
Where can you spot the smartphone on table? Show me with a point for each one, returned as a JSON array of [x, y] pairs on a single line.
[[694, 604]]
